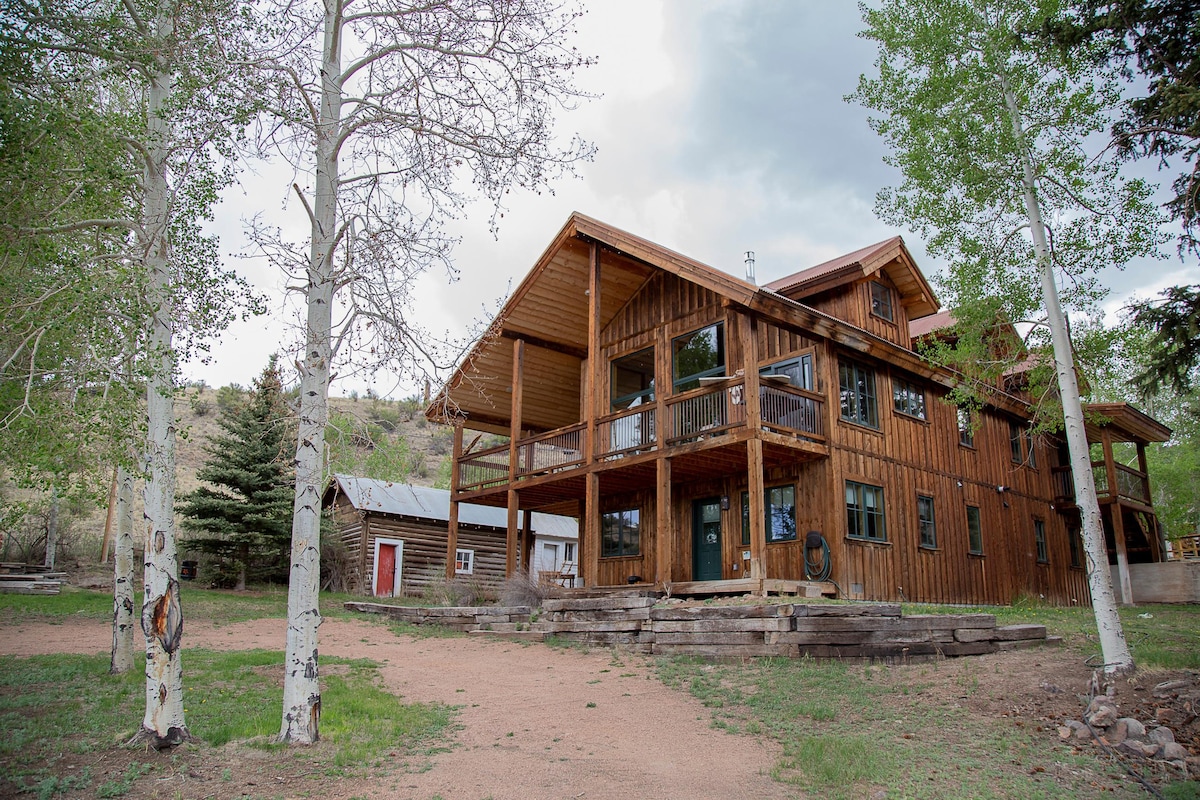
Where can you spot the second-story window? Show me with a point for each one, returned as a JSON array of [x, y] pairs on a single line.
[[857, 390], [966, 427], [881, 301], [908, 398], [633, 379], [1014, 442], [696, 355], [799, 371]]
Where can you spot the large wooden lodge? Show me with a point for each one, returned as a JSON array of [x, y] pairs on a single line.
[[704, 430]]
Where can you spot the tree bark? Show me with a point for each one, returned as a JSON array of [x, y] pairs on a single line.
[[162, 618], [301, 687], [1113, 646], [123, 618]]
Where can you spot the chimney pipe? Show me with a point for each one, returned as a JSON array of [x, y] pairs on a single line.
[[750, 267]]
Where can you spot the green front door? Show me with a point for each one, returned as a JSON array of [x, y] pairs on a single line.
[[706, 540]]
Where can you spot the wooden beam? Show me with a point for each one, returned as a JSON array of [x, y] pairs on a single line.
[[514, 524], [452, 525], [589, 540], [545, 344], [664, 532], [1118, 518], [758, 524], [595, 382], [527, 541]]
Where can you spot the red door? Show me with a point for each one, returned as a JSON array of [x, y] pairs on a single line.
[[385, 571]]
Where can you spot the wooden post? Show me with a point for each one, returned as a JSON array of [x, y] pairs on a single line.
[[664, 532], [595, 363], [748, 327], [452, 527], [527, 541], [589, 541], [1118, 520], [662, 382], [514, 456], [1151, 520], [758, 524]]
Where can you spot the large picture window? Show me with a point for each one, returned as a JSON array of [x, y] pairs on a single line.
[[974, 532], [633, 379], [779, 506], [620, 533], [926, 522], [696, 355], [864, 512], [857, 389], [908, 398]]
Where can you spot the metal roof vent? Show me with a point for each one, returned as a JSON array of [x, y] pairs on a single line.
[[750, 267]]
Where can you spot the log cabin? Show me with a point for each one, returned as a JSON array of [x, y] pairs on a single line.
[[395, 538], [714, 435]]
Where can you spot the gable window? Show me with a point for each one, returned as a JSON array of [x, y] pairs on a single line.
[[1039, 538], [966, 427], [799, 371], [925, 521], [620, 533], [864, 512], [908, 398], [974, 532], [464, 562], [779, 507], [881, 301], [1014, 442], [696, 355], [856, 384], [1076, 543], [633, 379]]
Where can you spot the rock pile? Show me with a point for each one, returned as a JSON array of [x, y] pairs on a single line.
[[1129, 736]]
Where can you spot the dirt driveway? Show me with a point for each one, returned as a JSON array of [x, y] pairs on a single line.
[[537, 722]]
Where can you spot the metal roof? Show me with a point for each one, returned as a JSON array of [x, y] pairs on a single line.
[[423, 502]]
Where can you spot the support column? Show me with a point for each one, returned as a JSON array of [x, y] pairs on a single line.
[[452, 525], [758, 523], [527, 542], [514, 456], [664, 527], [589, 540], [595, 383], [1118, 520], [1152, 536], [514, 524]]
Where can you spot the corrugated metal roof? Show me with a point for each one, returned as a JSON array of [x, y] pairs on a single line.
[[423, 502]]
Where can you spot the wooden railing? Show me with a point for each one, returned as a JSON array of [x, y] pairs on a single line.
[[627, 431], [1185, 547], [483, 469], [551, 451], [705, 412], [794, 411], [1132, 484]]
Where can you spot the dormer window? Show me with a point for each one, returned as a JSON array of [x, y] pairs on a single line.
[[881, 301]]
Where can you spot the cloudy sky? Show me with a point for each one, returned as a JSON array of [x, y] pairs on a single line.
[[721, 128]]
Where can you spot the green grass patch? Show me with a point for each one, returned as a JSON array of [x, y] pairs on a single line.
[[69, 703]]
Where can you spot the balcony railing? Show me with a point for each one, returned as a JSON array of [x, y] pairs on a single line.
[[1132, 484], [703, 413]]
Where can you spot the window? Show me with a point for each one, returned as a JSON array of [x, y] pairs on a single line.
[[1039, 537], [633, 379], [799, 371], [864, 512], [696, 355], [779, 505], [1030, 449], [857, 388], [464, 562], [620, 534], [974, 532], [1014, 442], [925, 521], [1076, 543], [966, 427], [569, 552], [908, 398], [881, 301]]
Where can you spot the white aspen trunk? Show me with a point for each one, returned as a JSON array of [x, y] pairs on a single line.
[[1113, 646], [162, 617], [52, 531], [301, 686], [123, 616]]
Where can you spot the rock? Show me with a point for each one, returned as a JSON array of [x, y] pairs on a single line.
[[1118, 732], [1173, 751], [1138, 749], [1165, 716], [1161, 735], [1133, 728], [1082, 733], [1102, 717], [1169, 688], [1064, 732]]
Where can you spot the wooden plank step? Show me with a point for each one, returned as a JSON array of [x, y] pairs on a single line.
[[516, 636]]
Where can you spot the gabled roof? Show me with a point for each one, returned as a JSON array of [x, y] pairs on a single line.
[[919, 328], [423, 502], [1124, 423], [890, 257]]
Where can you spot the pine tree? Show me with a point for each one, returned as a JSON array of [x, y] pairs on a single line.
[[245, 515]]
